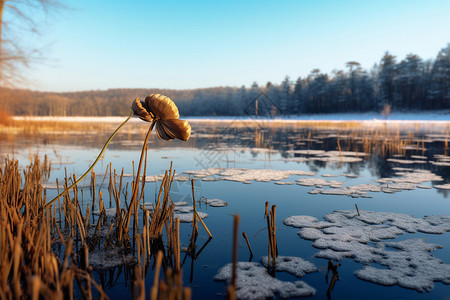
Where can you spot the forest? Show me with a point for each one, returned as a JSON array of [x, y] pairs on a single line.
[[410, 84]]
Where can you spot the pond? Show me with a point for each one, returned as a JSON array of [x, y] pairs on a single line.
[[316, 171]]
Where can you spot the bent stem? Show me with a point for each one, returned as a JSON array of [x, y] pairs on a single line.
[[134, 195], [95, 162]]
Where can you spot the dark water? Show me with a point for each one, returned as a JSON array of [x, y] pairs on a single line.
[[261, 148]]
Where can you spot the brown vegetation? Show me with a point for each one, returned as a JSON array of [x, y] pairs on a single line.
[[5, 118], [30, 232]]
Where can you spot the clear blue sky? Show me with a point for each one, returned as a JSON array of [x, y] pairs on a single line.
[[193, 44]]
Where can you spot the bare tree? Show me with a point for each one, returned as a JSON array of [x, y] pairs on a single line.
[[15, 53]]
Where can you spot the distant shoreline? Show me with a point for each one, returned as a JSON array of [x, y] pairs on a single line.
[[432, 116]]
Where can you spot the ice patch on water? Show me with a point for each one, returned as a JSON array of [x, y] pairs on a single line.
[[293, 265], [183, 209], [406, 161], [109, 212], [305, 221], [407, 179], [216, 202], [417, 176], [284, 182], [188, 217], [253, 282], [319, 182], [110, 258], [247, 175], [442, 186], [410, 266], [344, 234]]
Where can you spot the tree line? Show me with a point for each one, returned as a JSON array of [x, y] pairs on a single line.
[[408, 84]]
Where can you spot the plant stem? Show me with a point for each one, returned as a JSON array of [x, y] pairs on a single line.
[[95, 162], [136, 184]]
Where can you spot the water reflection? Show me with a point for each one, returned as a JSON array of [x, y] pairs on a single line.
[[274, 147], [333, 268]]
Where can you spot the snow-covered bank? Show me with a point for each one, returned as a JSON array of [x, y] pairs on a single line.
[[435, 116]]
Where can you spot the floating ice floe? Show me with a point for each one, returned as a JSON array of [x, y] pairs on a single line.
[[188, 217], [355, 191], [204, 172], [442, 186], [183, 209], [441, 157], [328, 156], [109, 212], [417, 176], [440, 163], [306, 221], [406, 161], [408, 179], [306, 152], [344, 234], [338, 159], [284, 182], [403, 169], [319, 182], [420, 157], [216, 202], [247, 175], [155, 178], [348, 175], [253, 282], [410, 266], [421, 186], [296, 266], [110, 258]]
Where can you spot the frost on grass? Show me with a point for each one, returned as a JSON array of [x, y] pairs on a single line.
[[253, 282], [293, 265], [246, 175], [407, 263], [187, 217]]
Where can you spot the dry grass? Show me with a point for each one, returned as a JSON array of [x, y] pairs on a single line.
[[272, 237], [5, 118], [28, 266], [30, 233]]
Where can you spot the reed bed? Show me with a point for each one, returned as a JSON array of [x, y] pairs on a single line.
[[28, 266], [45, 250]]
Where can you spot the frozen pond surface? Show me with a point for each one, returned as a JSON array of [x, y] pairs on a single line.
[[398, 245]]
